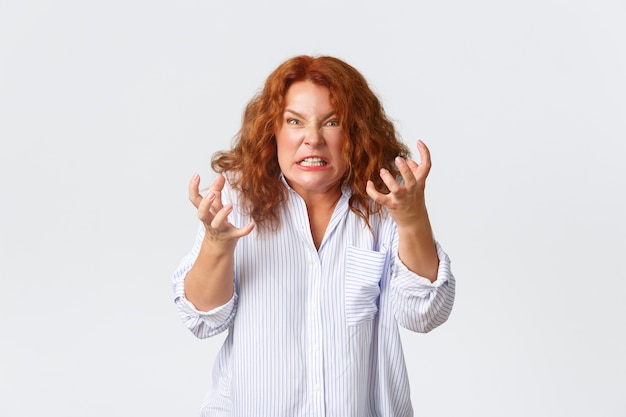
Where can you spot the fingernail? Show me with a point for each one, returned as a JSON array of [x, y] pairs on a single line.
[[399, 160], [210, 195], [195, 176], [383, 170]]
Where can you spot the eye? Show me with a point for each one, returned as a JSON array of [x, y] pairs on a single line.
[[332, 123], [293, 121]]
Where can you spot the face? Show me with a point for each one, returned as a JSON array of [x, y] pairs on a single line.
[[309, 141]]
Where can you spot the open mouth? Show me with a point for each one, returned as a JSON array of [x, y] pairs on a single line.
[[312, 162]]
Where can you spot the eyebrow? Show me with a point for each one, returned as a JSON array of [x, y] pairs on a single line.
[[332, 113]]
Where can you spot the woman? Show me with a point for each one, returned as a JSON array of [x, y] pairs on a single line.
[[314, 245]]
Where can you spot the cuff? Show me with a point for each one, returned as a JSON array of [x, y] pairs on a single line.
[[410, 281], [214, 317]]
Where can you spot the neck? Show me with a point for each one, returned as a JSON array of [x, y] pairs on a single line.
[[321, 201]]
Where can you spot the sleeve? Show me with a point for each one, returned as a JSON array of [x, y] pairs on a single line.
[[421, 305], [203, 324]]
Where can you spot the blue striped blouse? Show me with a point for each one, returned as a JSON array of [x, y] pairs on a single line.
[[315, 332]]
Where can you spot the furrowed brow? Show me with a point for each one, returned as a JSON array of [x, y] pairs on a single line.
[[295, 113]]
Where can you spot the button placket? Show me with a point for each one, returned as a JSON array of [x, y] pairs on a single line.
[[316, 360]]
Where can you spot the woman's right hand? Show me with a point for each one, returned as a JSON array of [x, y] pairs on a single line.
[[210, 281], [214, 214]]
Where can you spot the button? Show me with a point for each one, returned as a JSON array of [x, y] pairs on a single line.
[[316, 387]]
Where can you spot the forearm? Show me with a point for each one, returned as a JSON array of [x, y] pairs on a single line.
[[416, 247], [421, 305], [210, 281]]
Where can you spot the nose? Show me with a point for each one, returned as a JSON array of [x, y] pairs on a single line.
[[313, 136]]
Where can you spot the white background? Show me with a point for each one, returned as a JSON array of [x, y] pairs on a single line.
[[107, 108]]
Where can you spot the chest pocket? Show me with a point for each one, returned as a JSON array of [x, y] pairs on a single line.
[[363, 271]]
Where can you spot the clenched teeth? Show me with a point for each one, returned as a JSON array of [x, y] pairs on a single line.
[[312, 162]]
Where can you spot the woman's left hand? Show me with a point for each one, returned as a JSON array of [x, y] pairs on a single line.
[[405, 201]]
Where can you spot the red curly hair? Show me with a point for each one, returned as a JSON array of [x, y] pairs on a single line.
[[372, 142]]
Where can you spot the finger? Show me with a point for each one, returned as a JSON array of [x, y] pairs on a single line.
[[205, 212], [408, 175], [425, 161], [389, 180], [216, 187], [374, 194], [243, 231], [220, 221], [194, 190]]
